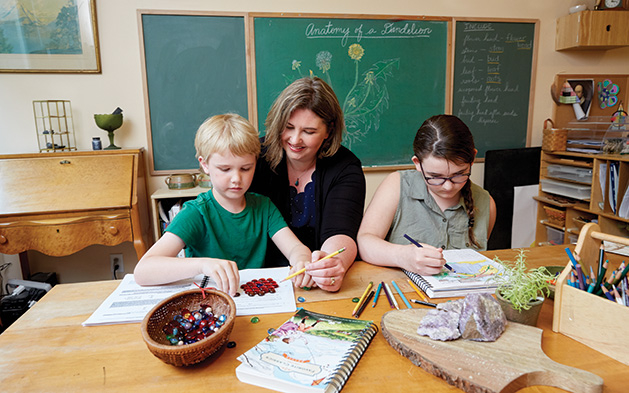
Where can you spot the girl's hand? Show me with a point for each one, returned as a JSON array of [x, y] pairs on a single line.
[[223, 272], [427, 260], [328, 273]]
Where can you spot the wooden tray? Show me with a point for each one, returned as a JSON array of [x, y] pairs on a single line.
[[514, 361]]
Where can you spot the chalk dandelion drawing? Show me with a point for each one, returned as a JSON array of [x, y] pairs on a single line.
[[367, 98]]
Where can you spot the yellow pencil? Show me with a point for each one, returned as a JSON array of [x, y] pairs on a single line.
[[421, 295], [362, 298], [298, 272]]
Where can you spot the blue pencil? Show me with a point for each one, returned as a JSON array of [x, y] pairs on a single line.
[[401, 294], [375, 298], [410, 239]]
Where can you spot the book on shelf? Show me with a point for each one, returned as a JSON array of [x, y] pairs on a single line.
[[472, 273], [310, 352]]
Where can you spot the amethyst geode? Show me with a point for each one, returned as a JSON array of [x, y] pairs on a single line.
[[477, 317]]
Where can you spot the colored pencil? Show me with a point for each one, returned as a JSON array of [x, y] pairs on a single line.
[[410, 239], [386, 287], [362, 307], [419, 292], [300, 271], [399, 291], [375, 299], [423, 303], [387, 295], [362, 298]]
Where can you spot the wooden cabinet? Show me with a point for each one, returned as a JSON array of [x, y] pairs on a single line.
[[592, 30], [568, 198], [60, 203]]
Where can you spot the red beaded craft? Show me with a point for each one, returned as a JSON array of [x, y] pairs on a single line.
[[260, 286]]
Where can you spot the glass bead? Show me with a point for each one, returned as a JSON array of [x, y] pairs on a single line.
[[255, 320], [301, 299], [222, 318], [231, 344], [355, 300]]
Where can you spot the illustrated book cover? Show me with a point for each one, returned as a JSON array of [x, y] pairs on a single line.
[[472, 273], [310, 352]]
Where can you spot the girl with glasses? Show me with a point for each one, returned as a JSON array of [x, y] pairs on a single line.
[[435, 204]]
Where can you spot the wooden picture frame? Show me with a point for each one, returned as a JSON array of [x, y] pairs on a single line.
[[58, 36]]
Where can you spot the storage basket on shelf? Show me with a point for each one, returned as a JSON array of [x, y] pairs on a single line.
[[592, 320], [555, 216], [554, 139], [164, 312]]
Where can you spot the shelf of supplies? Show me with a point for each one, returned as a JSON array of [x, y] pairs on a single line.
[[565, 161], [548, 224], [552, 201]]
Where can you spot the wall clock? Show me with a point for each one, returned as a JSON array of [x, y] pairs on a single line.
[[612, 5]]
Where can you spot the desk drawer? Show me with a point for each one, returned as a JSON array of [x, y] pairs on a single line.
[[58, 237], [66, 183]]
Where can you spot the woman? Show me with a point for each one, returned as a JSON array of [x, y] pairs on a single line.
[[317, 184], [435, 204]]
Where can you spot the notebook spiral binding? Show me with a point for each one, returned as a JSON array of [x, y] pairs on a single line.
[[341, 374]]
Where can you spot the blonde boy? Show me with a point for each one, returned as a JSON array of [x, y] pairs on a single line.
[[226, 228]]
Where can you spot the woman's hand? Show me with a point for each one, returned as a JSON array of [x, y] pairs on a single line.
[[302, 280], [328, 274]]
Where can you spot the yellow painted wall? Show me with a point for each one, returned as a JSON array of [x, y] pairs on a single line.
[[120, 84]]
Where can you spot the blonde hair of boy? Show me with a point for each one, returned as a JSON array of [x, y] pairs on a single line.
[[306, 93], [228, 132]]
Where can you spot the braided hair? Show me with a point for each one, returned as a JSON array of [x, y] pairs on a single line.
[[447, 137]]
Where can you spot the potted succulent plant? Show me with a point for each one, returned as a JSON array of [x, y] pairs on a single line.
[[521, 290]]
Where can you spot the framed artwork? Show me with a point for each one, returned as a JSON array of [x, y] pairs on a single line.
[[49, 36]]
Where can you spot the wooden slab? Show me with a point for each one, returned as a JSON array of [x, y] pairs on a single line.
[[514, 361]]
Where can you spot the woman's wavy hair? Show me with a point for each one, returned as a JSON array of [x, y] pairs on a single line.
[[306, 93]]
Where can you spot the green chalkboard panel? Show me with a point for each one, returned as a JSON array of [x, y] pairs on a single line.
[[389, 75], [195, 68], [493, 66]]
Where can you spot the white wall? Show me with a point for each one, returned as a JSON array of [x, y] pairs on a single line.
[[120, 84]]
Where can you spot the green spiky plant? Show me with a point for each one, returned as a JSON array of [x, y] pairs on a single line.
[[520, 285]]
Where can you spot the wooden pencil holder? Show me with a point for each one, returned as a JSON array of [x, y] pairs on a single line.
[[590, 319], [554, 139]]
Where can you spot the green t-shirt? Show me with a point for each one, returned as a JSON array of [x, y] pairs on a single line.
[[208, 230]]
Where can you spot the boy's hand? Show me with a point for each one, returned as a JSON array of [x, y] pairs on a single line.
[[302, 280], [224, 273]]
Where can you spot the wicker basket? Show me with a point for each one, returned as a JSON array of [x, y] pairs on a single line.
[[554, 139], [555, 216], [162, 313]]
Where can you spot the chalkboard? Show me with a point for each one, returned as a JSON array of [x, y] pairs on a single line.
[[389, 75], [195, 67], [493, 70]]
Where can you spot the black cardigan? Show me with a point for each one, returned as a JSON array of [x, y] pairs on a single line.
[[339, 197]]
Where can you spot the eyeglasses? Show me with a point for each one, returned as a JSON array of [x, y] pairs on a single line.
[[438, 181]]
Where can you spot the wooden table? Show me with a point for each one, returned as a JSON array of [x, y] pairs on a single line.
[[60, 203], [48, 350]]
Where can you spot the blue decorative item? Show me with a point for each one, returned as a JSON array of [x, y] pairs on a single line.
[[607, 91]]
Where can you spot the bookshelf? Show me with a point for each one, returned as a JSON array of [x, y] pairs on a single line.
[[168, 198]]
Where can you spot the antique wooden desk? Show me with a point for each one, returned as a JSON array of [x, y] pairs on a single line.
[[60, 203], [48, 350]]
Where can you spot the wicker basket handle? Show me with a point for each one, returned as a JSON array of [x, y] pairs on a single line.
[[552, 125]]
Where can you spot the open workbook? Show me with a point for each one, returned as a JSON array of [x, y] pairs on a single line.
[[471, 272], [310, 352]]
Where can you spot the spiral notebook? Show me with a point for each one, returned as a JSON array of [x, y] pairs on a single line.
[[472, 273], [310, 352]]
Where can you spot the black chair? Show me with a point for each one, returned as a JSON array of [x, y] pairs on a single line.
[[504, 170]]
